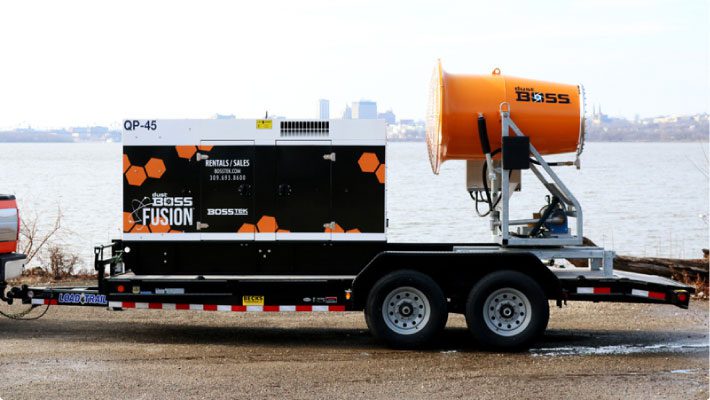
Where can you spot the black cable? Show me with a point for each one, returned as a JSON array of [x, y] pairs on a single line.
[[485, 181], [488, 200]]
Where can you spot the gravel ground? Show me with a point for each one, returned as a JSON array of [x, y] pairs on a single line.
[[590, 351]]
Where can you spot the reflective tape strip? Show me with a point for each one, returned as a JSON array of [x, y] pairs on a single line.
[[650, 295], [594, 290], [41, 302], [219, 307]]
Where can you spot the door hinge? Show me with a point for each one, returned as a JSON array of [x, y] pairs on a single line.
[[201, 225], [200, 156], [329, 156], [329, 225]]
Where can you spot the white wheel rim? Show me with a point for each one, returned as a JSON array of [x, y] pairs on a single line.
[[507, 312], [406, 310]]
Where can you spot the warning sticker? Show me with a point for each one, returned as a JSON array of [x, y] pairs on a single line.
[[252, 300], [264, 124]]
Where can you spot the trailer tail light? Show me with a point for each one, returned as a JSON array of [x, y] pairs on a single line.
[[681, 298], [120, 289]]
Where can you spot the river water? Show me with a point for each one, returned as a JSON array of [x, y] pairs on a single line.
[[638, 198]]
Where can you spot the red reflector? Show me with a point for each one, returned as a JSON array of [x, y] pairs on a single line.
[[682, 297], [210, 307], [121, 288], [602, 290], [271, 308], [155, 306], [182, 306], [657, 295]]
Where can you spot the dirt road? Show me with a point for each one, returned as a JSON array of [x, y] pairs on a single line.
[[590, 351]]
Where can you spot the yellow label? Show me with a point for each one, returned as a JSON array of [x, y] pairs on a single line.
[[264, 124], [252, 300]]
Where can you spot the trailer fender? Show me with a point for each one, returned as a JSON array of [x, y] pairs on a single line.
[[455, 272]]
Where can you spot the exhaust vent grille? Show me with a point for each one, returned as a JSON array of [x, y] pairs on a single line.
[[305, 128]]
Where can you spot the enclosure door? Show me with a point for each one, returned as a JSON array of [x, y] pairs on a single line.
[[303, 189]]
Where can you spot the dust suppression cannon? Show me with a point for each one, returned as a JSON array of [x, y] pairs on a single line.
[[502, 125]]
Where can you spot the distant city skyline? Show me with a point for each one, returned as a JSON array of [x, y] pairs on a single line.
[[324, 109], [97, 63]]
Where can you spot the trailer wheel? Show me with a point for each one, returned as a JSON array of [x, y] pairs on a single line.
[[406, 309], [507, 310]]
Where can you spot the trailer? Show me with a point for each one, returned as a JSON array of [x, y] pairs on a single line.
[[276, 215]]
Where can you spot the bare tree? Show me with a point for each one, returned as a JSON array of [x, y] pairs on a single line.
[[32, 238], [61, 263]]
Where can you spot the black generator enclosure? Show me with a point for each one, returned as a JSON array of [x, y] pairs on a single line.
[[254, 196]]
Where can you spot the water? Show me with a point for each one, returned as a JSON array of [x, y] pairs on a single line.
[[638, 198]]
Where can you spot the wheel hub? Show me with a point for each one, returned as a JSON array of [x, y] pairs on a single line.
[[406, 309], [506, 311]]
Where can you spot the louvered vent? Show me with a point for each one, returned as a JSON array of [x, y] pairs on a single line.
[[305, 128]]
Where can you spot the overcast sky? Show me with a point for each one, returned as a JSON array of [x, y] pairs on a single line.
[[68, 63]]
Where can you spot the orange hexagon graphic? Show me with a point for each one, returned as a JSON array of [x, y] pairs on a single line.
[[267, 224], [368, 162], [205, 148], [186, 151], [283, 231], [337, 229], [354, 230], [155, 167], [159, 228], [126, 163], [247, 228], [381, 173], [128, 221], [135, 175], [174, 231], [140, 229]]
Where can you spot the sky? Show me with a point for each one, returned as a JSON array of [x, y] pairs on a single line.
[[77, 63]]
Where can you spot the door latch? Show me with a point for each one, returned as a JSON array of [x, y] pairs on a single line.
[[329, 156], [201, 225], [200, 156]]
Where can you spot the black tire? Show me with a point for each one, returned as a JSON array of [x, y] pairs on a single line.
[[510, 322], [418, 293]]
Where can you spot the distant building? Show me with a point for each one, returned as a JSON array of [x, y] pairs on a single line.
[[323, 109], [598, 116], [388, 116], [348, 113], [364, 109]]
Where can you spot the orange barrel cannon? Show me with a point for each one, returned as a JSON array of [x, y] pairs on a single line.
[[551, 114]]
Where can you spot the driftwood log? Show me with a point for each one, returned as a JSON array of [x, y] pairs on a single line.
[[668, 267]]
